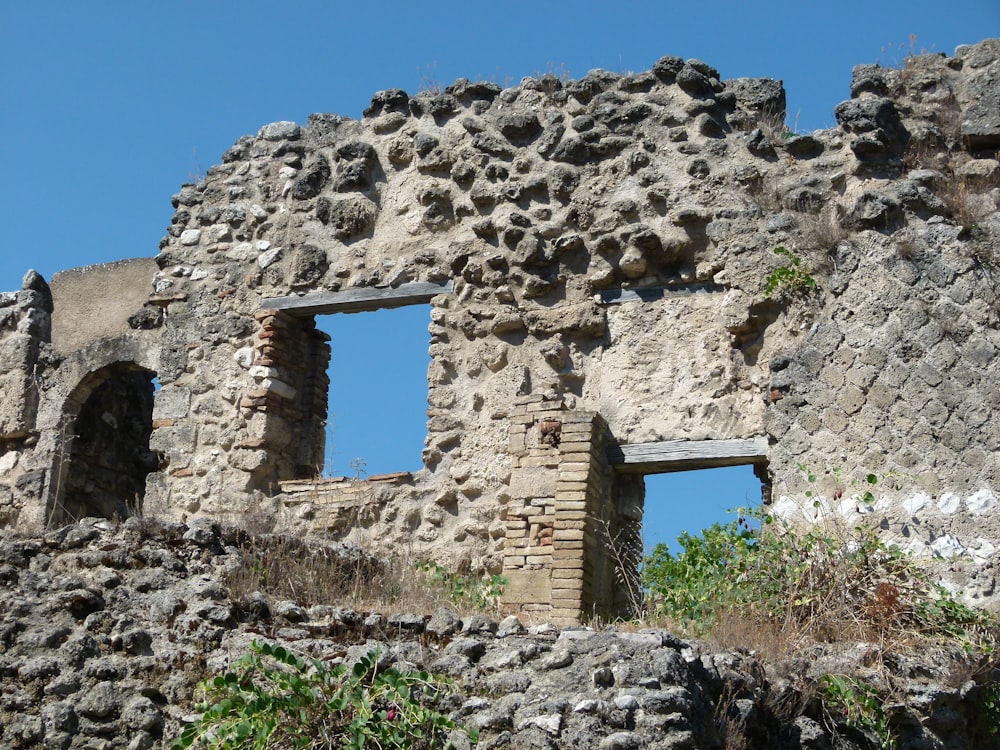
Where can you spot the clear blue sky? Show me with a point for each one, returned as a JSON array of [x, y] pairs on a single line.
[[107, 107]]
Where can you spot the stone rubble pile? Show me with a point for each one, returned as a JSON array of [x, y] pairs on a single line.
[[106, 629]]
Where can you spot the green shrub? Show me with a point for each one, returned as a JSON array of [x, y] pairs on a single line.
[[686, 587], [817, 582], [859, 705], [275, 699], [790, 585]]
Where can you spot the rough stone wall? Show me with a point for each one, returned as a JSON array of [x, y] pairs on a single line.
[[106, 630], [610, 249], [25, 326]]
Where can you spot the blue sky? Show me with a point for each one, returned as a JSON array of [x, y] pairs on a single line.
[[107, 107]]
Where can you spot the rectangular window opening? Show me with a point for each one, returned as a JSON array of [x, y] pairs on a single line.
[[377, 403]]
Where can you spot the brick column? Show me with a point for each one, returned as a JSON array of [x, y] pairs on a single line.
[[581, 491], [559, 485], [286, 408]]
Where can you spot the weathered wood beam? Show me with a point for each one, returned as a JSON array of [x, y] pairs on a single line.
[[364, 299], [681, 455], [651, 293]]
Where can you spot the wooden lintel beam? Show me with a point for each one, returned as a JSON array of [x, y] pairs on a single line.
[[651, 293], [681, 455], [363, 299]]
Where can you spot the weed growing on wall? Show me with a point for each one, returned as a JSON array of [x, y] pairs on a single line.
[[858, 705], [792, 278], [814, 583], [274, 698]]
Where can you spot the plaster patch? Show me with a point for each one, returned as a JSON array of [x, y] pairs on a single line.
[[980, 502], [983, 551], [949, 503], [849, 507], [917, 548], [917, 503], [792, 510], [947, 546]]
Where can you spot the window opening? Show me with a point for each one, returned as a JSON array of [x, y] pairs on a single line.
[[377, 404], [655, 508], [693, 501]]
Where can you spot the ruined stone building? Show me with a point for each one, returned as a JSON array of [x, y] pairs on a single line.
[[622, 275]]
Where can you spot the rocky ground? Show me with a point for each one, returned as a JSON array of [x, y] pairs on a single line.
[[106, 629]]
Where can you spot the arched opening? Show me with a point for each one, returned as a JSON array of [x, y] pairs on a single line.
[[106, 455]]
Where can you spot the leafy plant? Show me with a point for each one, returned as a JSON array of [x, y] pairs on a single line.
[[275, 699], [858, 705], [686, 587], [814, 582], [465, 591], [792, 277], [991, 707]]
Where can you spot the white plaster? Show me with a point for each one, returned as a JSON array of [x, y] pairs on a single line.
[[917, 548], [917, 503], [949, 586], [947, 546], [949, 503], [811, 510], [980, 502], [8, 461], [883, 504], [851, 506], [983, 551]]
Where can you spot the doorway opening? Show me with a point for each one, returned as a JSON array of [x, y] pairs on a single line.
[[662, 490], [109, 419], [694, 500]]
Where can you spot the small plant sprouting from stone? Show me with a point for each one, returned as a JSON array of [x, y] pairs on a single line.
[[429, 82], [991, 707], [858, 705], [792, 277], [274, 698]]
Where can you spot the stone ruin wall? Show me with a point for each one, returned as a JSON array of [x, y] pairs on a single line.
[[594, 256]]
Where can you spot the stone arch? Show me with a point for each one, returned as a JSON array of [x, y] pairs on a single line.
[[99, 411]]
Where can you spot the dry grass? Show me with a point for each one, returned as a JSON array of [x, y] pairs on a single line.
[[312, 573], [286, 568]]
